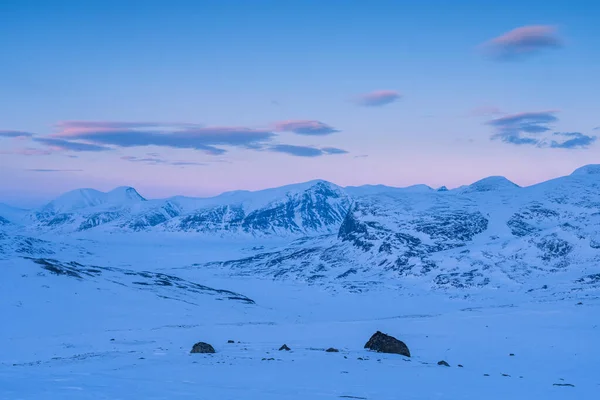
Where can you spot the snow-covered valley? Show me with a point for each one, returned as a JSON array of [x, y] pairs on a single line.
[[104, 294]]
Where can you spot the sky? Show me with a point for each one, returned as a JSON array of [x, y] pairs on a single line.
[[201, 97]]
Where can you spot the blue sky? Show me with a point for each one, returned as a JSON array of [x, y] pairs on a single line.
[[196, 98]]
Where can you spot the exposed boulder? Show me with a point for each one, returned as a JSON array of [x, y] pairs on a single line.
[[284, 347], [202, 347], [332, 350], [443, 363], [383, 343]]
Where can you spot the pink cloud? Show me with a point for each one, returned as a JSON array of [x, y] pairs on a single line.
[[74, 128], [523, 41], [173, 135], [378, 98], [305, 127]]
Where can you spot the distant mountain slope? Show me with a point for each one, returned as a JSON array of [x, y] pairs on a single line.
[[312, 207], [11, 215], [492, 235]]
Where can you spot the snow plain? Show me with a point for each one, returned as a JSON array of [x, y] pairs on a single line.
[[103, 336]]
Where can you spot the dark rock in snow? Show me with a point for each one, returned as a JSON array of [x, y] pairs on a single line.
[[230, 341], [444, 363], [284, 347], [332, 350], [383, 343], [460, 366], [202, 347]]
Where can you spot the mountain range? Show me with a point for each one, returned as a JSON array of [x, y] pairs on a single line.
[[489, 233]]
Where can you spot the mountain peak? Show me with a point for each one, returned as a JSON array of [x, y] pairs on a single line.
[[591, 169], [84, 198], [491, 183], [75, 199], [125, 193]]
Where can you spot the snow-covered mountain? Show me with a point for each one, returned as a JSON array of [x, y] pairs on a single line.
[[490, 233], [11, 215], [312, 207], [485, 234]]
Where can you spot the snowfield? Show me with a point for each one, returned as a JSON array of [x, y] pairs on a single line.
[[104, 294]]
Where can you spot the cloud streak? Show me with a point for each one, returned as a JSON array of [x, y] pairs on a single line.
[[305, 127], [522, 42], [529, 128], [160, 161], [577, 141], [527, 122], [66, 145], [100, 136], [14, 134], [305, 151], [378, 98], [53, 170], [180, 136]]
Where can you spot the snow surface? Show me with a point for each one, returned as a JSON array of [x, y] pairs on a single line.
[[113, 314]]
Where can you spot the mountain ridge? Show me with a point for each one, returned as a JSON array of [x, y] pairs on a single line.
[[309, 208]]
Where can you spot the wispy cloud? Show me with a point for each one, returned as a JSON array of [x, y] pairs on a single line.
[[305, 127], [76, 127], [522, 42], [577, 141], [97, 136], [305, 151], [378, 98], [53, 170], [515, 128], [333, 150], [529, 128], [186, 163], [181, 136], [61, 144], [14, 134], [160, 161]]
